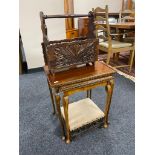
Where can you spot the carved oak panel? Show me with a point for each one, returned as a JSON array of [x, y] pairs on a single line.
[[67, 54]]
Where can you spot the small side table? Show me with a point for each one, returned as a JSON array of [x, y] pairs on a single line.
[[75, 115]]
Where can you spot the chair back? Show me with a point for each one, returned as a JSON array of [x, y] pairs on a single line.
[[126, 16], [102, 24]]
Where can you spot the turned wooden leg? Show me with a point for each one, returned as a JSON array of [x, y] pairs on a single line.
[[114, 56], [132, 53], [108, 57], [57, 98], [89, 93], [109, 90], [65, 104], [117, 57], [52, 99]]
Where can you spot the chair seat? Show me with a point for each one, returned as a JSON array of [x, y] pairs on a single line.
[[115, 44]]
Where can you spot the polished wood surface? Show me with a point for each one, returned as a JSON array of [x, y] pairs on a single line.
[[128, 5], [84, 21], [69, 9], [119, 25], [123, 25], [69, 22], [76, 80], [83, 26], [72, 33], [59, 55], [93, 76], [96, 70]]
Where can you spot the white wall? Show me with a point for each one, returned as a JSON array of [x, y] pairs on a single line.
[[84, 6], [29, 23]]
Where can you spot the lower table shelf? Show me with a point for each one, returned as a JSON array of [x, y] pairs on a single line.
[[82, 112]]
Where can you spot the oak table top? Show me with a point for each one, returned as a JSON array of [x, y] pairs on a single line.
[[98, 70], [123, 25]]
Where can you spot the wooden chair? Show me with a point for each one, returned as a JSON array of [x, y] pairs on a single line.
[[71, 66], [126, 16], [106, 43]]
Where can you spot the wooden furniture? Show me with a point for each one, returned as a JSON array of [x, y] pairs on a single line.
[[72, 33], [128, 4], [127, 16], [71, 66], [83, 26], [84, 21], [106, 43], [122, 25], [84, 112], [23, 68]]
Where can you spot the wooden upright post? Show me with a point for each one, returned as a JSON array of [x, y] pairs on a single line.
[[69, 9]]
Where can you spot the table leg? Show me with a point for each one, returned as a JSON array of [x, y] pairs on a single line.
[[65, 104], [52, 99], [57, 98], [109, 90], [89, 93]]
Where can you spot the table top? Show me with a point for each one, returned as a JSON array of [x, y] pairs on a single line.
[[123, 25], [98, 70], [120, 25]]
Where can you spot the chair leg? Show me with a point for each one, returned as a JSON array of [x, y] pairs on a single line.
[[108, 57], [109, 91], [115, 57], [132, 53], [52, 99]]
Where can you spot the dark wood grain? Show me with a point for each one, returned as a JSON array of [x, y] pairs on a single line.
[[68, 54]]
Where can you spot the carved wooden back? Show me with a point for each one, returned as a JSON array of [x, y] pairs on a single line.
[[67, 54]]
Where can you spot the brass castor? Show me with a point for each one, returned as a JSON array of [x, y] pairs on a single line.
[[105, 125], [68, 141]]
